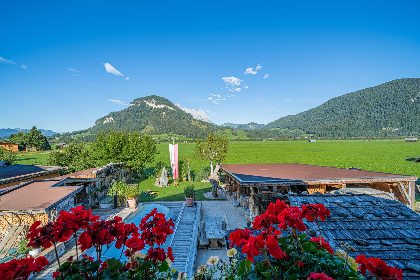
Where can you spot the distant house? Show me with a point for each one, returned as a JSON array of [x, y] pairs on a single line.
[[62, 145], [311, 140], [30, 149], [13, 147], [410, 139]]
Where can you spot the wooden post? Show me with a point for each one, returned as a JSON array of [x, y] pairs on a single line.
[[412, 193]]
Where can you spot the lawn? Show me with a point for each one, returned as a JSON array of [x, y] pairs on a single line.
[[32, 159], [380, 155], [172, 193]]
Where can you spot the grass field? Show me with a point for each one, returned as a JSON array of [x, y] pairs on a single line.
[[381, 155], [172, 193]]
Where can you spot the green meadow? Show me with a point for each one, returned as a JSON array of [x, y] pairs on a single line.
[[377, 155]]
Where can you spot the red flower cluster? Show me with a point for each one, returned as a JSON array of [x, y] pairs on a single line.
[[99, 233], [314, 211], [155, 228], [61, 230], [378, 268], [42, 236], [134, 244], [254, 245], [270, 217], [158, 254], [319, 276], [324, 244], [292, 217], [22, 268]]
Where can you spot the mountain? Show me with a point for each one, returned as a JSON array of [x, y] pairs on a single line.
[[6, 132], [248, 126], [390, 109], [198, 115], [155, 115]]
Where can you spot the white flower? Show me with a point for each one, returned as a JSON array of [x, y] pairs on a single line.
[[231, 252], [213, 260]]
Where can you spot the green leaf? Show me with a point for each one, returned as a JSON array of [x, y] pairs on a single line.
[[244, 267], [267, 275], [302, 237], [310, 247], [163, 267]]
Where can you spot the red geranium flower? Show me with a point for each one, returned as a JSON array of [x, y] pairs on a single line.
[[42, 236], [253, 247], [270, 217], [292, 217], [155, 228], [378, 268], [324, 244], [314, 211], [320, 276], [22, 268], [239, 237]]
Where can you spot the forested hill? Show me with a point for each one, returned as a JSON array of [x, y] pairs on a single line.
[[154, 115], [390, 109]]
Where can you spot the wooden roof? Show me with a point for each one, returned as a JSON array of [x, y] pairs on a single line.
[[35, 195], [374, 219], [295, 173]]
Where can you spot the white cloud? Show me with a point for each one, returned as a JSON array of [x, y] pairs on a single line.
[[238, 89], [246, 87], [210, 98], [288, 100], [232, 81], [118, 102], [250, 70], [23, 66], [110, 69], [215, 102], [7, 61], [128, 78], [266, 76], [74, 70]]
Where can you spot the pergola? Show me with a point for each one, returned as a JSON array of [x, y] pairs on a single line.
[[276, 178]]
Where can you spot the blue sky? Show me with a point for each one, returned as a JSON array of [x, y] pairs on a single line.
[[181, 50]]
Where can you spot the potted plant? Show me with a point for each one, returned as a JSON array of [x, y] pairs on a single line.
[[24, 249], [189, 195], [132, 192]]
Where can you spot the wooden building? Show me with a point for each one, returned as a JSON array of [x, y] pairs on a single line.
[[13, 147], [22, 205], [282, 178], [96, 181]]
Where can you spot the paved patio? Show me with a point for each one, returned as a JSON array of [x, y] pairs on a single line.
[[235, 217]]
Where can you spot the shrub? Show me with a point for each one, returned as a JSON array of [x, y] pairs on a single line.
[[189, 191], [204, 174]]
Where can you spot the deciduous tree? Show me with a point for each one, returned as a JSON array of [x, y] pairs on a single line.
[[214, 149]]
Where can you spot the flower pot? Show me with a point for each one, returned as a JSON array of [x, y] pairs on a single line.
[[214, 194], [132, 203], [35, 252], [190, 201]]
